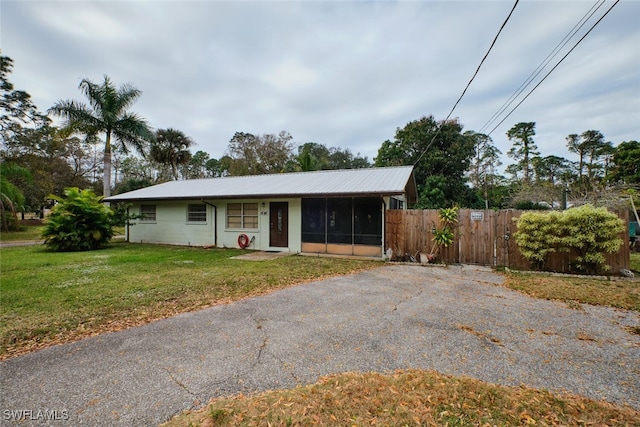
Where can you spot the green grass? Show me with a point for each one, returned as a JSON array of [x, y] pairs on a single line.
[[33, 232], [49, 297], [635, 262], [612, 293], [27, 233]]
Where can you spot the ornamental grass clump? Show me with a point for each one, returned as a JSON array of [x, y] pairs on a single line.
[[538, 236], [586, 232], [78, 222], [591, 232]]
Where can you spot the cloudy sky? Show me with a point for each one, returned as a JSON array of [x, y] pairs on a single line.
[[344, 74]]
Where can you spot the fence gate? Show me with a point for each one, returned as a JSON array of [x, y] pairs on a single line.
[[476, 236]]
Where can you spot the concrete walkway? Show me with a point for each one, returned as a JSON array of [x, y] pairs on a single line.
[[454, 320]]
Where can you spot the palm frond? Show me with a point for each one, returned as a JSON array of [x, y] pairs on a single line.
[[133, 130]]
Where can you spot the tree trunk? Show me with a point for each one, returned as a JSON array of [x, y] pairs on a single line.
[[106, 180]]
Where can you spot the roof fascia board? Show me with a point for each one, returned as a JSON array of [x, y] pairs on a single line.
[[261, 196]]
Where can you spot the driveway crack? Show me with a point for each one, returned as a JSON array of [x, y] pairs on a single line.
[[404, 299], [178, 382], [262, 350], [265, 339]]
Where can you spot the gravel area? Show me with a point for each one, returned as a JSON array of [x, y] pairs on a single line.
[[456, 320]]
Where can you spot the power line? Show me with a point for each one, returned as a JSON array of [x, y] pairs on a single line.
[[543, 64], [555, 66], [468, 84], [483, 59]]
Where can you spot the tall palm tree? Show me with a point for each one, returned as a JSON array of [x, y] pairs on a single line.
[[171, 147], [107, 114]]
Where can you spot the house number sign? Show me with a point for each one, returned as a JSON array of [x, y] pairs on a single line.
[[477, 216]]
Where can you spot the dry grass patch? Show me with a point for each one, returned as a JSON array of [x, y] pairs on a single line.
[[572, 290], [410, 398]]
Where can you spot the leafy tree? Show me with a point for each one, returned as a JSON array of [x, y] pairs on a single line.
[[134, 167], [524, 148], [597, 151], [312, 157], [197, 166], [107, 113], [531, 196], [219, 167], [258, 155], [171, 147], [55, 161], [17, 110], [132, 184], [440, 154], [575, 145], [78, 222], [344, 159], [482, 171], [550, 169], [551, 176], [307, 161], [625, 163], [11, 198]]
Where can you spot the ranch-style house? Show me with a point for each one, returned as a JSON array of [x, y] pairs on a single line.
[[335, 212]]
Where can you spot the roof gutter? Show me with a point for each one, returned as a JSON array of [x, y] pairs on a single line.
[[261, 196]]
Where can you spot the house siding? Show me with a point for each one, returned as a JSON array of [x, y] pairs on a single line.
[[171, 225]]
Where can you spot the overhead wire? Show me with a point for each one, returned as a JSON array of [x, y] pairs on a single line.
[[543, 64], [554, 67], [468, 84]]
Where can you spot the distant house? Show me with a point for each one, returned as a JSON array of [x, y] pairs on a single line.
[[336, 212]]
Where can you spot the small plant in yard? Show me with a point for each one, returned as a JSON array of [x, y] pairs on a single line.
[[79, 222], [443, 237]]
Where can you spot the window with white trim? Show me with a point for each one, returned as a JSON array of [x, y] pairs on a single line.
[[148, 213], [242, 215], [197, 213]]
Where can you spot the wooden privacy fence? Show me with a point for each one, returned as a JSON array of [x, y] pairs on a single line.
[[483, 237]]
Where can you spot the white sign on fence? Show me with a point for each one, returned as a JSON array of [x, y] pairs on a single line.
[[477, 216]]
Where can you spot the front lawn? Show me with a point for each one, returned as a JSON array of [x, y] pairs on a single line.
[[50, 297]]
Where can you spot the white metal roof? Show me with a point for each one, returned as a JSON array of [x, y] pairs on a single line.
[[372, 181]]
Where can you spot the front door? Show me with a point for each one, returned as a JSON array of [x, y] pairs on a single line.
[[279, 224]]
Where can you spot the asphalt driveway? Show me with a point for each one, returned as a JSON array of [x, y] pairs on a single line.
[[454, 320]]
